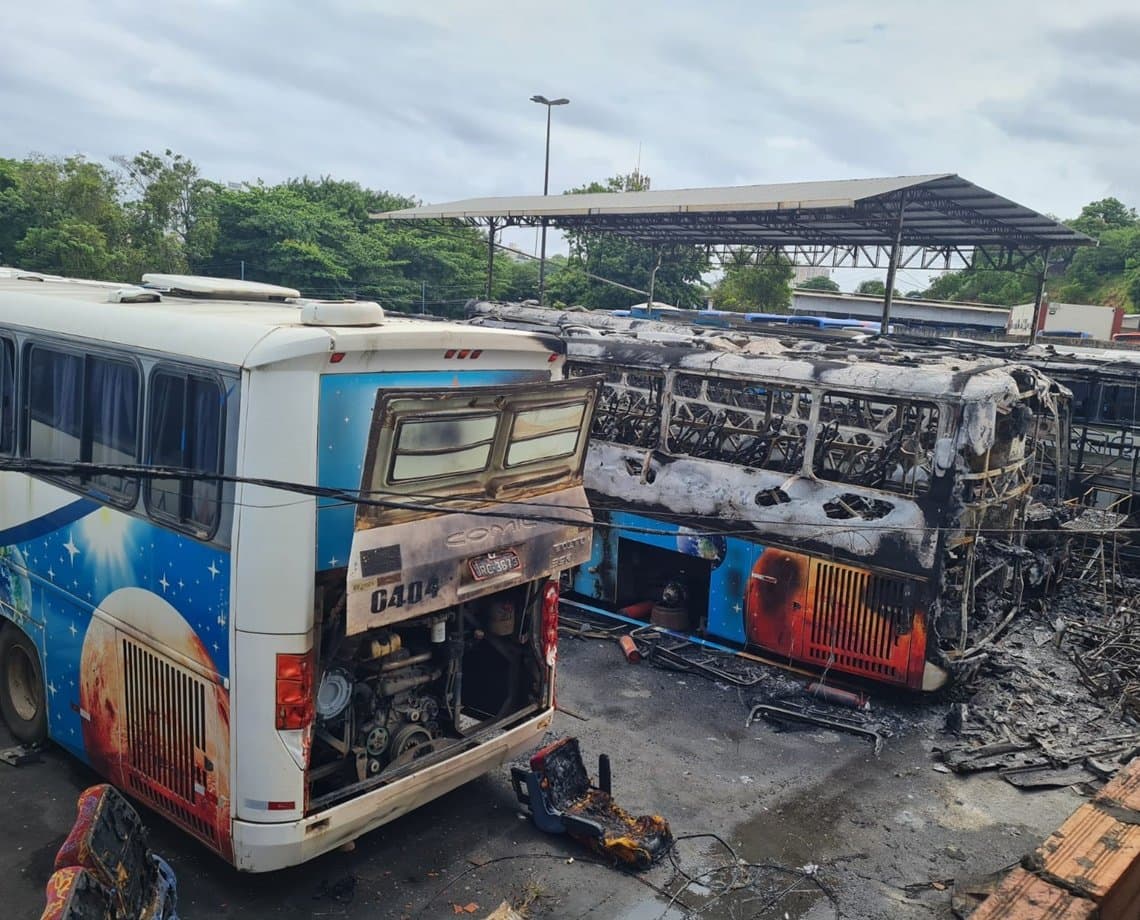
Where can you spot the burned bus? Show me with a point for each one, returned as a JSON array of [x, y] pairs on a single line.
[[1104, 432], [836, 505]]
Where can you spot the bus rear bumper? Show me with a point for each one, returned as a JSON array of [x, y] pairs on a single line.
[[267, 847]]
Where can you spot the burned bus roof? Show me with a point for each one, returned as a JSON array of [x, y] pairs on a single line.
[[834, 361], [882, 370]]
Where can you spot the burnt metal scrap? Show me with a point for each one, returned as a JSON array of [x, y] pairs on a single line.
[[1108, 659], [803, 716], [1055, 701]]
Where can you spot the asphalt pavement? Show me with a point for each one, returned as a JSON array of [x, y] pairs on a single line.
[[825, 825]]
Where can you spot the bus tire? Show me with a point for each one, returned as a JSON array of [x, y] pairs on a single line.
[[23, 701]]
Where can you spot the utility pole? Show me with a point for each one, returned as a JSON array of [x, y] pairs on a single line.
[[549, 103], [1039, 300]]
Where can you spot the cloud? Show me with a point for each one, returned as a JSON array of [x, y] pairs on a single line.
[[1113, 39], [432, 99]]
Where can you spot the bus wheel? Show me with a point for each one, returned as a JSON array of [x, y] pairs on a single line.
[[22, 702]]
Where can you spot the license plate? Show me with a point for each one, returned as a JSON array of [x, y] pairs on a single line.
[[484, 567]]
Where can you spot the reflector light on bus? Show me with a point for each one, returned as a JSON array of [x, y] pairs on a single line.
[[336, 357], [550, 622], [294, 691]]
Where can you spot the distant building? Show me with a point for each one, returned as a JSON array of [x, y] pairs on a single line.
[[906, 313], [1084, 320], [804, 273]]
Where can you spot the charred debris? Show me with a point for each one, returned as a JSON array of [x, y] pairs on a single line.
[[964, 474]]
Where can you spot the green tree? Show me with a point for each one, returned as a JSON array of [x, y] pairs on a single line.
[[595, 256], [170, 222], [875, 288], [71, 248], [1107, 214], [748, 285], [1105, 273], [516, 278], [819, 283], [60, 216], [275, 234], [983, 286]]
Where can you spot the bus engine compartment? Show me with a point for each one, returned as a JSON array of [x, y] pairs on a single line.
[[389, 698]]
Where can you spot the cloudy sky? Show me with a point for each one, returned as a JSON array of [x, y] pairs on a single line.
[[1039, 101]]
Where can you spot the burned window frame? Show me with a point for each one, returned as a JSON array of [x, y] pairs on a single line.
[[875, 450], [628, 412], [711, 421]]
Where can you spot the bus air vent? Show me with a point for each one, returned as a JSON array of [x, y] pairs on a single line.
[[340, 312], [860, 622], [217, 288], [166, 737]]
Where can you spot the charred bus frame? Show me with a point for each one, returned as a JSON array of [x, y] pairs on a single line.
[[842, 508]]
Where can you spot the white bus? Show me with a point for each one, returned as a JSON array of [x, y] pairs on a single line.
[[280, 569]]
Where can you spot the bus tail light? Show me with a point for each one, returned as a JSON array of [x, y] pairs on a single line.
[[294, 691], [550, 623]]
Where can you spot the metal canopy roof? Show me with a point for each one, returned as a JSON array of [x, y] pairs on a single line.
[[941, 215]]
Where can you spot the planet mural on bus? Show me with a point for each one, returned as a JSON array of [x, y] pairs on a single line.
[[15, 587], [146, 711], [712, 547]]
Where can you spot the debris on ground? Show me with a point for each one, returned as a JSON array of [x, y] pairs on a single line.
[[561, 799], [1089, 867], [342, 891], [1055, 703], [105, 870], [1052, 698], [21, 755], [504, 912], [781, 715]]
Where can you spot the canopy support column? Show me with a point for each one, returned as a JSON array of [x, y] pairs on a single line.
[[652, 281], [892, 270], [1038, 301], [490, 255]]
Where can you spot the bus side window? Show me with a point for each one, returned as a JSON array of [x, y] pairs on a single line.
[[1083, 405], [7, 396], [84, 408], [185, 433]]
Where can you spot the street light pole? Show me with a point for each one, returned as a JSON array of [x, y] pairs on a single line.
[[549, 103]]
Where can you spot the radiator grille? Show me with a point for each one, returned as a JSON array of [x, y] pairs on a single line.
[[170, 806], [856, 621], [166, 731]]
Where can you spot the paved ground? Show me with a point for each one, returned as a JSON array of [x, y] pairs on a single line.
[[890, 835]]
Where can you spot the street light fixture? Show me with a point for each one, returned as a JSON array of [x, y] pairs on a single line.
[[549, 103]]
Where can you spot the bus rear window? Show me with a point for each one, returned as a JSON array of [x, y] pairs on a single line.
[[476, 443], [545, 433], [443, 445]]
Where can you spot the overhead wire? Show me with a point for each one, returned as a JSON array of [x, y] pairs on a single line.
[[474, 505]]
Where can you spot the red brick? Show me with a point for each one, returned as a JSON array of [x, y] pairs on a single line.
[[1124, 789], [1024, 896], [1097, 855]]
